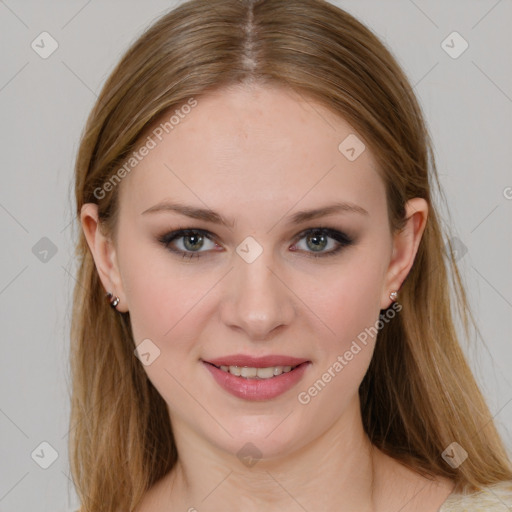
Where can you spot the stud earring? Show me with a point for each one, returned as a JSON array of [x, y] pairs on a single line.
[[393, 295], [114, 301]]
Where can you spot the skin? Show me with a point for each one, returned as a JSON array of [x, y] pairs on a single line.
[[257, 155]]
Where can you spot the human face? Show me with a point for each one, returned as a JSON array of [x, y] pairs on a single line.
[[256, 156]]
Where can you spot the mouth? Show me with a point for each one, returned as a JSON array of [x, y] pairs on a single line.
[[264, 380], [248, 372]]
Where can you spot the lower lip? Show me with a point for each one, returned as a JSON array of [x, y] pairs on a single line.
[[257, 389]]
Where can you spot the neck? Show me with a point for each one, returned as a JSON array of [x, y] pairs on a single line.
[[337, 465]]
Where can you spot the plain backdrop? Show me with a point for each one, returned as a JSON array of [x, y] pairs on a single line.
[[467, 101]]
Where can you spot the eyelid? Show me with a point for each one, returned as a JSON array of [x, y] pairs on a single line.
[[341, 238], [168, 237]]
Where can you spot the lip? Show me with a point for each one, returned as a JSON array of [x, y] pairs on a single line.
[[258, 389], [256, 362]]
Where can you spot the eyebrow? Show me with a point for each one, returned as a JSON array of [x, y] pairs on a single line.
[[208, 215]]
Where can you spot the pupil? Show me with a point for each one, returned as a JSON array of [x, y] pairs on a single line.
[[194, 245], [316, 237]]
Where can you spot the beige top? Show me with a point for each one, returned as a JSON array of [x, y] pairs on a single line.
[[495, 498]]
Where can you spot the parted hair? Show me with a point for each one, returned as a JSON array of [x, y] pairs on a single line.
[[419, 394]]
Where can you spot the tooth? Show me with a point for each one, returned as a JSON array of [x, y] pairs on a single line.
[[260, 373], [249, 372], [265, 373], [235, 370]]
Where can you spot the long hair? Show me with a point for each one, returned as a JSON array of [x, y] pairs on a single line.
[[418, 395]]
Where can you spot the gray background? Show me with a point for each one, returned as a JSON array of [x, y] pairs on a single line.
[[468, 105]]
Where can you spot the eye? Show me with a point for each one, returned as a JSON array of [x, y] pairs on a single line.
[[190, 243], [317, 239]]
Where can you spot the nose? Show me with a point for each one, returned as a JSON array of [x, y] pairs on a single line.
[[257, 301]]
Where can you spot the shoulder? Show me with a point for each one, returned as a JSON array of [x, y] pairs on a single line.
[[494, 498]]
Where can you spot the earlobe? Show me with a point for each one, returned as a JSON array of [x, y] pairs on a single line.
[[103, 252], [405, 248]]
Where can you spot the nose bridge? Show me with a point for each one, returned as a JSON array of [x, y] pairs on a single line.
[[259, 301]]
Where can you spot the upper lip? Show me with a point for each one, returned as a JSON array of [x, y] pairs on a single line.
[[256, 362]]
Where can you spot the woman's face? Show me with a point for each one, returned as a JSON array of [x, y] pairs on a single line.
[[263, 285]]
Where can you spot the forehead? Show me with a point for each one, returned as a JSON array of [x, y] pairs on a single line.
[[254, 146]]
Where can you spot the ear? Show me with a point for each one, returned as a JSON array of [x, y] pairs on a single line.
[[405, 247], [104, 254]]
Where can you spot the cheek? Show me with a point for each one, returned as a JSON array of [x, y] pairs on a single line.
[[350, 307], [166, 307], [162, 296], [348, 301], [167, 298]]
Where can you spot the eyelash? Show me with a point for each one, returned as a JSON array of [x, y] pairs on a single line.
[[341, 238]]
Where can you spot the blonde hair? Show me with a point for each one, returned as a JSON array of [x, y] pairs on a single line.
[[419, 394]]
